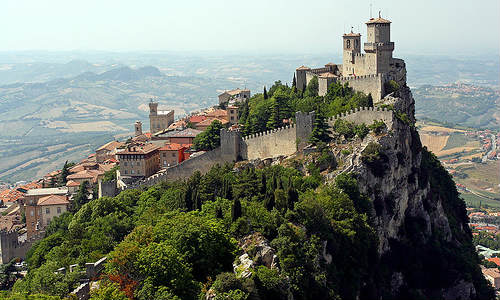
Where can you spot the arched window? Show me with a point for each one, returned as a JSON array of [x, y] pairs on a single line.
[[348, 44], [356, 42]]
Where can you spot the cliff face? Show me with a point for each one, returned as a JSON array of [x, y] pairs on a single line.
[[425, 246]]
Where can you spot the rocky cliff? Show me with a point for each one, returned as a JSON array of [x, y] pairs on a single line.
[[424, 243]]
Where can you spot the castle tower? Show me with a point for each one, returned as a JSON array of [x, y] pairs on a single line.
[[378, 46], [159, 119], [138, 128], [301, 77], [351, 48]]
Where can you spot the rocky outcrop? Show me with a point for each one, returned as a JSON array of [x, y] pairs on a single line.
[[413, 216], [257, 252]]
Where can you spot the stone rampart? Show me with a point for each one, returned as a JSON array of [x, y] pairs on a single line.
[[271, 143], [366, 115], [82, 292], [10, 247], [368, 84]]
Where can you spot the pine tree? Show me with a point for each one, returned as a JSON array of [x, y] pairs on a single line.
[[274, 118], [263, 184], [236, 210], [265, 93], [321, 131], [294, 82], [64, 174]]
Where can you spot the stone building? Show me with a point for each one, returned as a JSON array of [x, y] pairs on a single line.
[[139, 160], [365, 72], [108, 151], [138, 128], [237, 95], [159, 119], [35, 203], [185, 136]]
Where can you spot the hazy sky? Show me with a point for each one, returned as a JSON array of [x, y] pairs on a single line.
[[257, 26]]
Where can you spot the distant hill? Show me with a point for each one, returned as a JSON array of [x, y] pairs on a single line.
[[459, 104]]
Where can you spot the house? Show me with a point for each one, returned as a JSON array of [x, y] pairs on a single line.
[[202, 126], [51, 206], [72, 186], [171, 155], [185, 136], [217, 114], [139, 160], [495, 260], [91, 176], [36, 218], [237, 95], [107, 151], [197, 119], [493, 276]]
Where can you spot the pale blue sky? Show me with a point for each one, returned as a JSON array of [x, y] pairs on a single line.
[[257, 26]]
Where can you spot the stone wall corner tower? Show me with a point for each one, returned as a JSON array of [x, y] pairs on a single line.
[[378, 46]]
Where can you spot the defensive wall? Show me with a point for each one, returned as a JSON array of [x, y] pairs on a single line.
[[366, 115], [272, 143], [368, 84], [10, 247], [282, 141]]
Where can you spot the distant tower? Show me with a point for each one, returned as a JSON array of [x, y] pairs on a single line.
[[159, 119], [138, 128], [352, 47], [378, 46], [153, 108]]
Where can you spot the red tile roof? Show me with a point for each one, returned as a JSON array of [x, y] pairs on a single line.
[[378, 21], [171, 147], [139, 149], [53, 200], [72, 183], [197, 119]]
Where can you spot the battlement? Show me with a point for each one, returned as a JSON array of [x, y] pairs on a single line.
[[362, 77], [264, 133], [366, 115]]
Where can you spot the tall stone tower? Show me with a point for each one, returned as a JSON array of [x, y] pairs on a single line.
[[351, 48], [138, 128], [378, 46]]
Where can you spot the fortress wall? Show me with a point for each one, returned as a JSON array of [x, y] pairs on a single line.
[[368, 84], [365, 115], [10, 247], [271, 143], [309, 75], [320, 70]]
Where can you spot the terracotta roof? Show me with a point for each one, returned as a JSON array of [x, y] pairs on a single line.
[[378, 21], [235, 92], [218, 113], [111, 146], [303, 68], [171, 147], [330, 64], [106, 167], [352, 34], [209, 121], [180, 123], [139, 149], [197, 119], [86, 174], [53, 200], [496, 260], [72, 183]]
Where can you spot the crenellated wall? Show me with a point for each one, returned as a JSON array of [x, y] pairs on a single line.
[[365, 115], [368, 84], [272, 143]]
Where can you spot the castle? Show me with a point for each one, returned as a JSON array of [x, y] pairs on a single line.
[[365, 72]]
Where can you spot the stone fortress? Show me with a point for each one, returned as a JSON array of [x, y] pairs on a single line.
[[365, 72]]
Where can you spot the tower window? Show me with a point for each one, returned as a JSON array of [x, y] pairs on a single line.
[[348, 44]]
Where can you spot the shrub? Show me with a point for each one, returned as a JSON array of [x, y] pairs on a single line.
[[377, 126], [374, 158], [391, 86], [361, 130], [344, 128]]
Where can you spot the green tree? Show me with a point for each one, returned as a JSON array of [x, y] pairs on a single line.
[[236, 210], [210, 138], [65, 172], [321, 130], [312, 88], [82, 196], [265, 93]]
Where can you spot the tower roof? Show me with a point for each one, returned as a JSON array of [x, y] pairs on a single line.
[[378, 20], [352, 34], [303, 68]]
